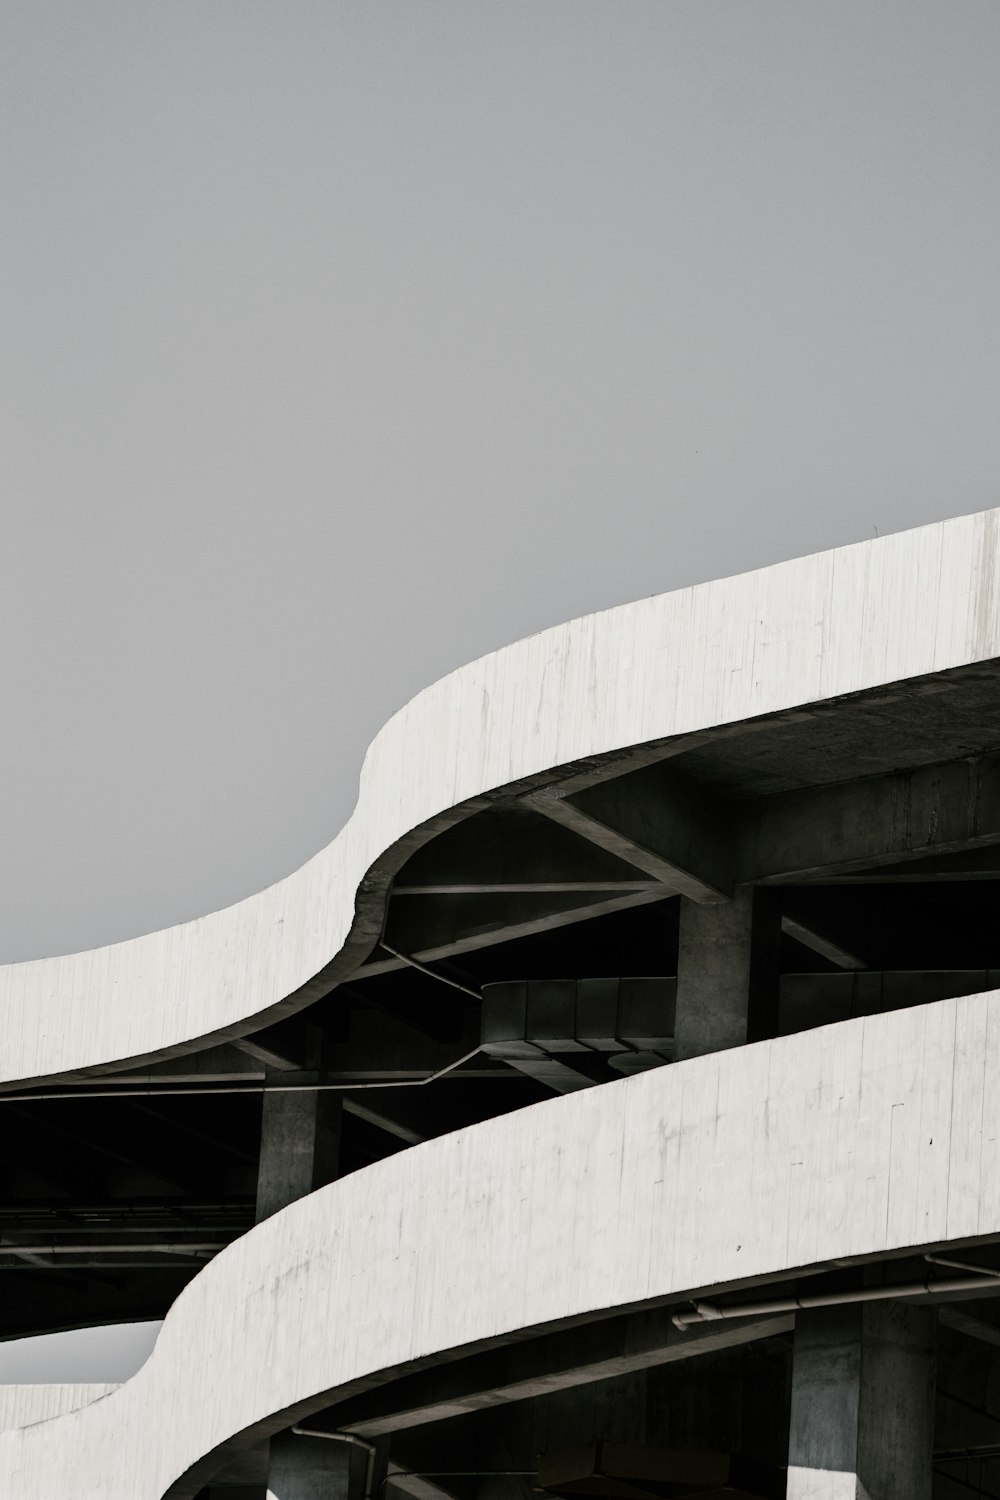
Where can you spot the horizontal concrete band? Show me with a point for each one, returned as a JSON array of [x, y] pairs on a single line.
[[874, 1135], [841, 622]]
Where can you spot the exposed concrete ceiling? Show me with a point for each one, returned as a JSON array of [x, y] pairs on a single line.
[[910, 724]]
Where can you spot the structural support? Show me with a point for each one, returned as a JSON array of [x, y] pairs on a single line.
[[726, 972], [299, 1146], [299, 1152], [525, 916], [299, 1131], [312, 1468], [657, 821], [862, 1422], [853, 826], [565, 1361]]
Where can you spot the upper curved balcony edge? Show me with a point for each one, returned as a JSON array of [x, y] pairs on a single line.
[[814, 629]]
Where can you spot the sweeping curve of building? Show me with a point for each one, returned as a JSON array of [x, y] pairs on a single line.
[[720, 869]]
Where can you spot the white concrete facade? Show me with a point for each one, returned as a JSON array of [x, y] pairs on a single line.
[[875, 1135], [872, 1137], [860, 617]]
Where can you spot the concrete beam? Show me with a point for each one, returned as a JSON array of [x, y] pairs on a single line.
[[555, 1362], [860, 825], [511, 849], [524, 919], [656, 820], [703, 846], [382, 1121], [417, 1486], [973, 1322], [965, 864], [551, 1072], [821, 943], [212, 1065], [286, 1045]]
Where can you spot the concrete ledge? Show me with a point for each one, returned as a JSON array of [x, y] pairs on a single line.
[[862, 1138]]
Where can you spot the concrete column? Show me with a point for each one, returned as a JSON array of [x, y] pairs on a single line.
[[308, 1468], [300, 1152], [862, 1422], [299, 1145], [726, 972]]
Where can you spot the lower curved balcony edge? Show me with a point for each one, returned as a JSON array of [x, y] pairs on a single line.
[[869, 1137]]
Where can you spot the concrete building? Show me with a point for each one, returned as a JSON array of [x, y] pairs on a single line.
[[612, 1109]]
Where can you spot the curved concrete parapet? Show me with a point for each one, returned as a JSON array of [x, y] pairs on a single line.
[[867, 1137], [838, 623]]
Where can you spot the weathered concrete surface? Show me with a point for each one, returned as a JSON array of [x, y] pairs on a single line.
[[842, 622], [713, 975], [702, 844], [872, 1136], [21, 1405], [863, 1402], [727, 972], [299, 1146]]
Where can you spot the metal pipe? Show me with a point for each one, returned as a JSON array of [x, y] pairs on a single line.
[[707, 1312], [415, 963], [981, 1450], [961, 1265], [174, 1248], [354, 1441], [80, 1091]]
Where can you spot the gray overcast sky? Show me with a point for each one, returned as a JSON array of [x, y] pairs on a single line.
[[342, 343]]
